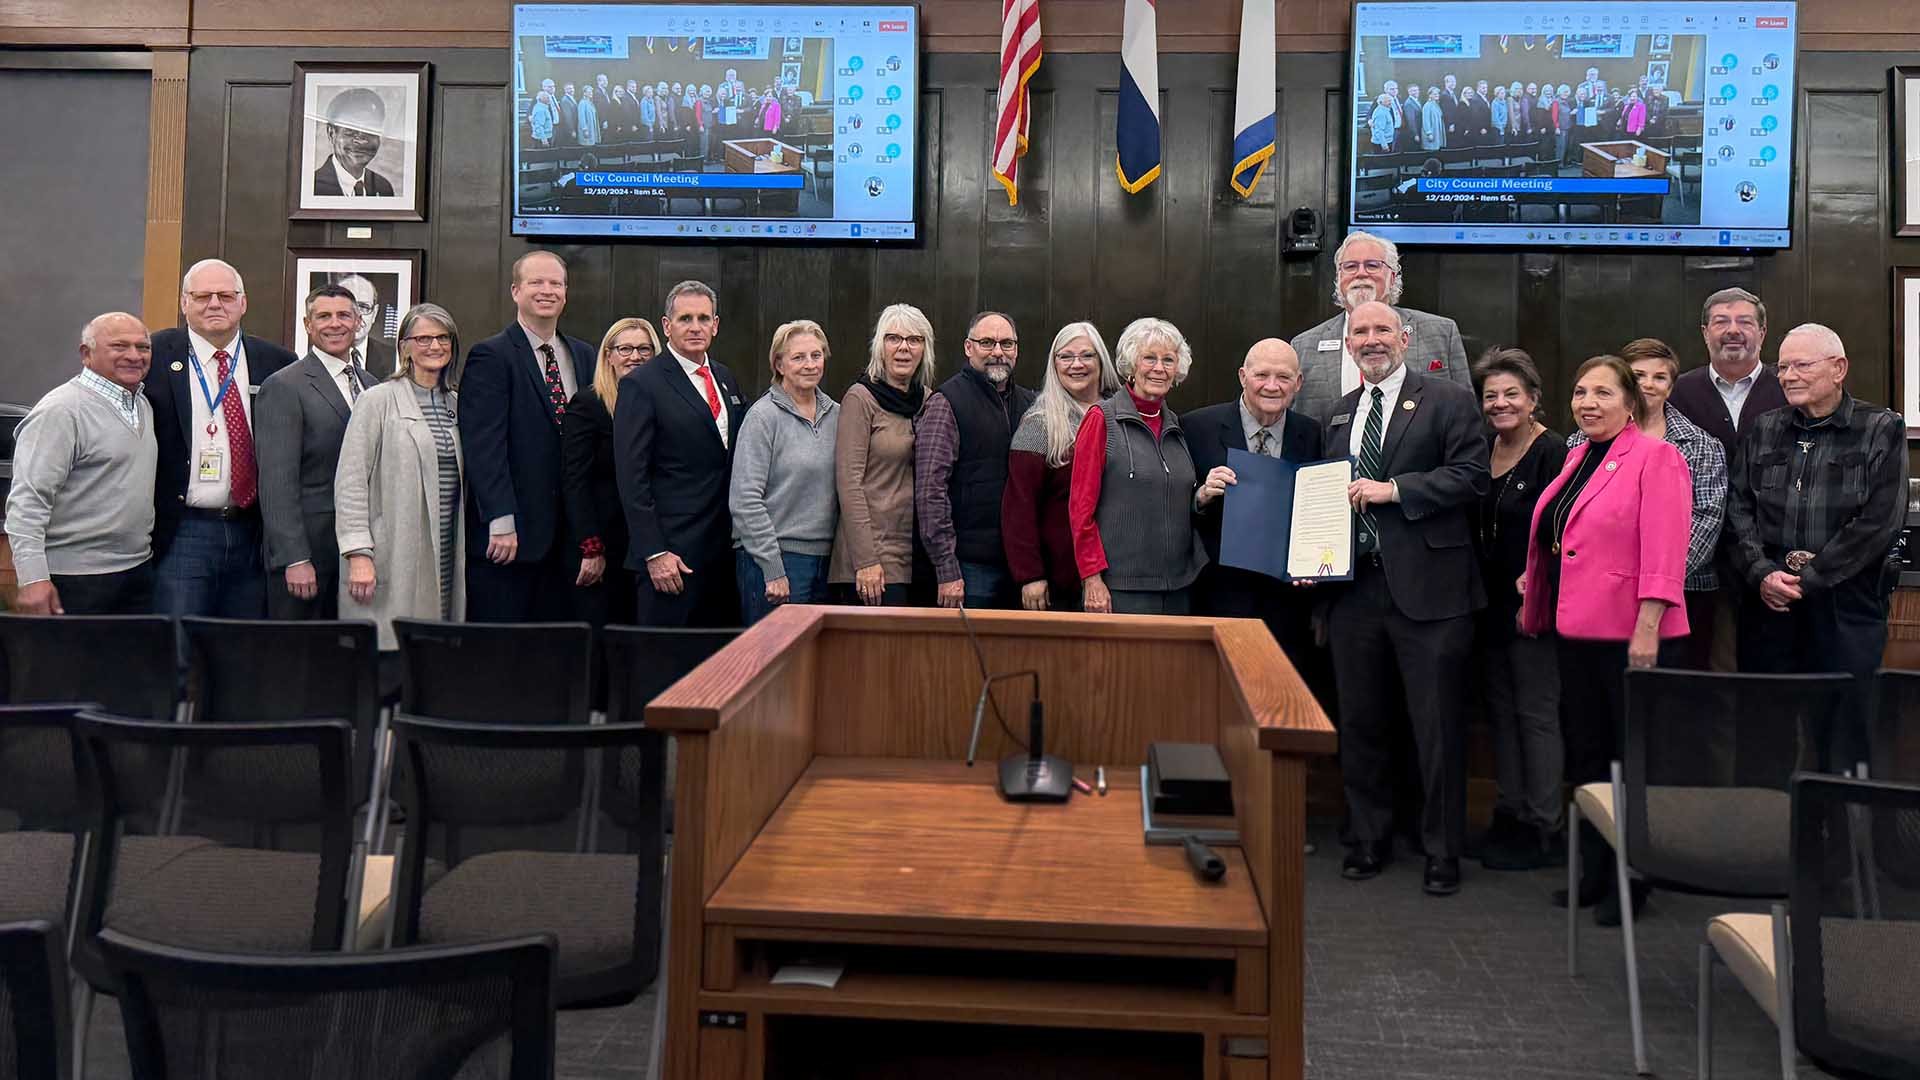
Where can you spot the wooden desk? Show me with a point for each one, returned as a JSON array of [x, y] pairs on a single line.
[[821, 805]]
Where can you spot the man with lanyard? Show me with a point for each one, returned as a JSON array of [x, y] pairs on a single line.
[[206, 521], [1816, 494]]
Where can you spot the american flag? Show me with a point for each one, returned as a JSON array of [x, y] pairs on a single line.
[[1020, 53]]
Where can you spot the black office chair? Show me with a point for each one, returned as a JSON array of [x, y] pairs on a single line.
[[500, 809], [33, 1001], [1894, 742], [524, 673], [641, 662], [1698, 801], [42, 818], [1834, 975], [408, 1014]]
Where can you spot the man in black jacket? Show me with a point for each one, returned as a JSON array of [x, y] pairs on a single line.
[[513, 394], [206, 508], [960, 446], [674, 427], [1422, 464]]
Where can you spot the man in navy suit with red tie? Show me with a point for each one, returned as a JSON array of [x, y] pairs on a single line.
[[674, 428], [513, 395]]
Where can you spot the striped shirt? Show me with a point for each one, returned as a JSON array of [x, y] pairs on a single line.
[[438, 409]]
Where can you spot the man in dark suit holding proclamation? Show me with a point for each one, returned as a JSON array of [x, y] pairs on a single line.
[[674, 428], [301, 416], [512, 396], [1422, 463]]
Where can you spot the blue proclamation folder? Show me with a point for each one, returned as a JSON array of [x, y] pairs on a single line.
[[1257, 520]]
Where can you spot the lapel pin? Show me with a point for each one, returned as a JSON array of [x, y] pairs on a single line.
[[1520, 485], [1612, 465], [1407, 404], [178, 366]]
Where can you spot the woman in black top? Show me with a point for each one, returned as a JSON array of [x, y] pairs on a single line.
[[1519, 675], [596, 523]]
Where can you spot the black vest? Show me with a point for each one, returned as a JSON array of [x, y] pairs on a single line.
[[986, 420]]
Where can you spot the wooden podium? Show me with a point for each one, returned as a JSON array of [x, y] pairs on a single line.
[[823, 810]]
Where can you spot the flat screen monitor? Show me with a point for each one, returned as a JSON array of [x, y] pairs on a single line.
[[1620, 123], [747, 121]]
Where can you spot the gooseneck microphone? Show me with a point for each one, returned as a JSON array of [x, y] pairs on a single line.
[[1031, 775]]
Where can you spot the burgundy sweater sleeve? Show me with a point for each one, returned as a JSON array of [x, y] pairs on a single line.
[[1020, 515], [1089, 466]]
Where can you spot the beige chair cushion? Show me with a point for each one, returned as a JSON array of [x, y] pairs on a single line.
[[376, 909], [1596, 805], [1745, 945]]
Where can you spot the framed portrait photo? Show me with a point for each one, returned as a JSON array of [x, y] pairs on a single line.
[[1906, 344], [359, 141], [1906, 151], [384, 285]]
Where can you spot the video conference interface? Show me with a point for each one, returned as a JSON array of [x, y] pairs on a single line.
[[1604, 124]]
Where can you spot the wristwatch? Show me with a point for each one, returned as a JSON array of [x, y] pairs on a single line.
[[1799, 560]]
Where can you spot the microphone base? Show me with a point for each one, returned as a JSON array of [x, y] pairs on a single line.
[[1024, 778]]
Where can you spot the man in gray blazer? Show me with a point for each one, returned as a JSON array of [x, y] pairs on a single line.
[[1368, 268], [301, 415]]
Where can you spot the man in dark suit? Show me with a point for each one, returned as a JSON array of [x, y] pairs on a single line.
[[1422, 464], [206, 512], [569, 118], [1368, 268], [302, 415], [513, 394], [674, 428], [1256, 421], [356, 119], [1724, 397], [375, 353]]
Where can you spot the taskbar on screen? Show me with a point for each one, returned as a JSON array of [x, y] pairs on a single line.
[[707, 228], [1580, 236]]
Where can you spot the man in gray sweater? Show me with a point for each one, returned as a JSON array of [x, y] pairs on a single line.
[[78, 516]]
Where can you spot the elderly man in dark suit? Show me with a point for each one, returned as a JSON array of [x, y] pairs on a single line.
[[513, 395], [1369, 269], [206, 510], [1422, 453], [1258, 421], [675, 423], [301, 415], [356, 120]]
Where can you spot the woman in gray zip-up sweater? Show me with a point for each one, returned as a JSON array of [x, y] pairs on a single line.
[[782, 496], [1131, 502]]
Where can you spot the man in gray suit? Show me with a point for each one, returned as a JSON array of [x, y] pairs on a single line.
[[301, 415], [1369, 269]]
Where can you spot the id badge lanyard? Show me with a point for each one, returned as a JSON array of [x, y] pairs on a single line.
[[213, 400]]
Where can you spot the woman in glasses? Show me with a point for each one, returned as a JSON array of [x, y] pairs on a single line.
[[873, 460], [603, 587], [405, 557], [1033, 509]]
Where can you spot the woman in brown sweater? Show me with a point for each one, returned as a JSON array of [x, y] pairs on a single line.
[[873, 460]]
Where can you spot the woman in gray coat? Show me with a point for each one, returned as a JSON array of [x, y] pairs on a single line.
[[397, 489]]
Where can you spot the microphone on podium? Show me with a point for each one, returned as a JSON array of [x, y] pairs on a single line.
[[1030, 776]]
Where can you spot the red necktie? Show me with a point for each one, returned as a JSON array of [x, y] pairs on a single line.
[[713, 395], [243, 483]]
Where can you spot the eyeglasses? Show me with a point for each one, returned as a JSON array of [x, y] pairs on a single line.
[[365, 310], [1803, 367], [1744, 322], [624, 351], [1371, 266], [894, 341], [438, 341], [1077, 357], [202, 299], [1171, 363], [985, 344]]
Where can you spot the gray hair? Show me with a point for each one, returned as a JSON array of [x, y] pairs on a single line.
[[1143, 332], [1734, 295], [89, 334], [895, 319], [982, 316], [403, 365], [1822, 338], [186, 279], [1059, 413], [690, 288], [1390, 255]]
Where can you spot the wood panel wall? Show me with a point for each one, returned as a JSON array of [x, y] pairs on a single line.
[[1075, 247]]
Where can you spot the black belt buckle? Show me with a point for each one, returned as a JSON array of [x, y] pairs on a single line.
[[224, 513]]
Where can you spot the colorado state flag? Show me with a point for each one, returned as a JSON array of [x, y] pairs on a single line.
[[1253, 123], [1137, 132]]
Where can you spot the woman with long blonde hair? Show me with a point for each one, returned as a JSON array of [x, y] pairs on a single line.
[[1033, 509], [596, 524]]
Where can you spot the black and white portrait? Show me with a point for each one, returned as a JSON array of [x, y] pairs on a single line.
[[1906, 151], [359, 141], [384, 285]]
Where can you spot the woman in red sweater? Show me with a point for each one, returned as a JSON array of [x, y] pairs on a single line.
[[1033, 509]]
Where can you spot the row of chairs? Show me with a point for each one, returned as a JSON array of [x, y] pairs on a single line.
[[1718, 791], [224, 818]]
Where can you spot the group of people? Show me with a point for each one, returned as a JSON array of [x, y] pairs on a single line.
[[1733, 514], [1537, 119], [606, 112]]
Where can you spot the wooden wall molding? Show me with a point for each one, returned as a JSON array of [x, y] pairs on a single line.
[[166, 187]]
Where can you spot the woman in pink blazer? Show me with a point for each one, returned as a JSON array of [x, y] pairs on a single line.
[[1605, 566]]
